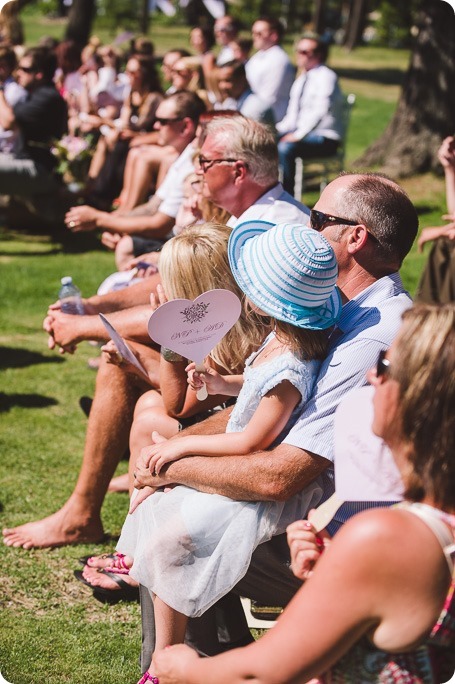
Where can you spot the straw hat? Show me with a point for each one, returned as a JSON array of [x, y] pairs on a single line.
[[289, 271]]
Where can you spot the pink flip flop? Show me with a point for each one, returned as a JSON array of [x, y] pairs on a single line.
[[147, 677]]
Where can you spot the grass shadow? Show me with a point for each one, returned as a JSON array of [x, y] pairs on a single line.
[[11, 357], [385, 76], [425, 209], [8, 401], [18, 223]]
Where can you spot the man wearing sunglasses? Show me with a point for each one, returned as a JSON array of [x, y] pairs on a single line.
[[226, 29], [39, 120], [371, 224], [313, 124], [269, 71]]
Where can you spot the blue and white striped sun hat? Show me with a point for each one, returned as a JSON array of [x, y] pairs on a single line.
[[289, 271]]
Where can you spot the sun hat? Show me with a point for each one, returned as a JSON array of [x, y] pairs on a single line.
[[288, 270]]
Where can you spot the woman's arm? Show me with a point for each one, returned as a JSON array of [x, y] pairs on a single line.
[[365, 583], [269, 419]]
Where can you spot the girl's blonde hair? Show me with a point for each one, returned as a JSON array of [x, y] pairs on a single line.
[[303, 342], [196, 261]]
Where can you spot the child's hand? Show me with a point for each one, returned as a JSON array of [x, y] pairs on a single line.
[[165, 452], [159, 298], [214, 382], [306, 546]]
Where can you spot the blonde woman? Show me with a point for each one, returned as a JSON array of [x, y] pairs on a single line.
[[191, 263], [190, 547]]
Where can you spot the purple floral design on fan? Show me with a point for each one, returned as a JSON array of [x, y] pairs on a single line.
[[195, 313]]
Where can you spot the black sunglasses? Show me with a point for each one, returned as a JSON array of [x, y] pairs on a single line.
[[166, 122], [382, 365], [27, 70], [318, 220]]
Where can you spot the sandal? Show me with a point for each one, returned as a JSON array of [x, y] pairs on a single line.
[[125, 591], [118, 564], [147, 677]]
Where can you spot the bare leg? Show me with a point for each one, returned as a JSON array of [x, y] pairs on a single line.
[[170, 625], [145, 173], [79, 520], [98, 158], [131, 158], [123, 252], [149, 415]]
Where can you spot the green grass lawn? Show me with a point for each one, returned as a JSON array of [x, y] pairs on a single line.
[[52, 630]]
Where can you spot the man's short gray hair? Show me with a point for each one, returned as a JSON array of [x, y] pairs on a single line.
[[248, 141], [386, 210]]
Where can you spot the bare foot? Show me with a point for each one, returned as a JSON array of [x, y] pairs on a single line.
[[58, 529], [115, 561], [119, 484], [97, 578]]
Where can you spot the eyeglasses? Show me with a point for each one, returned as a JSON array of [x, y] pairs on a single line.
[[166, 122], [382, 365], [207, 164], [318, 220], [26, 70], [304, 52]]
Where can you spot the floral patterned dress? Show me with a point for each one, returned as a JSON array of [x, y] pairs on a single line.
[[432, 662]]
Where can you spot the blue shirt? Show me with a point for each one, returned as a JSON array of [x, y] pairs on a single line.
[[368, 324]]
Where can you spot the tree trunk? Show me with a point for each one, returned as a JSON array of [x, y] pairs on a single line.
[[144, 17], [355, 24], [319, 16], [11, 29], [426, 110], [80, 20]]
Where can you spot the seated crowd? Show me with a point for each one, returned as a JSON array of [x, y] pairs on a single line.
[[108, 101], [184, 186]]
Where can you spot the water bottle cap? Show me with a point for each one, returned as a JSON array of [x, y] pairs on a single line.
[[66, 280]]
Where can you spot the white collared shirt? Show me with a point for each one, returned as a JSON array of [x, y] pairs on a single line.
[[270, 75], [275, 205], [315, 105]]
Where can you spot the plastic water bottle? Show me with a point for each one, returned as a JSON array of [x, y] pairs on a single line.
[[70, 297]]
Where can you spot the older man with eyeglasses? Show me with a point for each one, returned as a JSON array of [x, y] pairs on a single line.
[[238, 162], [40, 119]]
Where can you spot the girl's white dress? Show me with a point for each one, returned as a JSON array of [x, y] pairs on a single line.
[[191, 548]]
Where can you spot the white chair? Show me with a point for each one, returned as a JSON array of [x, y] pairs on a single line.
[[324, 167]]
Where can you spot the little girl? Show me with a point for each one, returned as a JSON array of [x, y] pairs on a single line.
[[191, 548]]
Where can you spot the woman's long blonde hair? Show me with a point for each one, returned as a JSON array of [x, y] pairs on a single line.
[[196, 261], [424, 367]]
